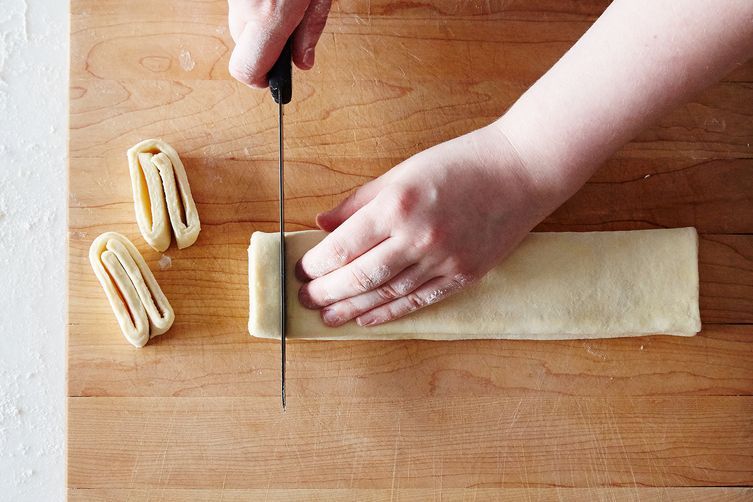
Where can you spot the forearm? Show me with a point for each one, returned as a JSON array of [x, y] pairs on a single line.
[[639, 60]]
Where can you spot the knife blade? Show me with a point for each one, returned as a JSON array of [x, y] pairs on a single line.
[[281, 87]]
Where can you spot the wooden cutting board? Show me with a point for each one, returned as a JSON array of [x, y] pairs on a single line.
[[195, 415]]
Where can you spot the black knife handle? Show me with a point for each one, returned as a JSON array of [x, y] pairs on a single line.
[[280, 76]]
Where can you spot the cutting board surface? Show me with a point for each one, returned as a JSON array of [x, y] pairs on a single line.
[[195, 415]]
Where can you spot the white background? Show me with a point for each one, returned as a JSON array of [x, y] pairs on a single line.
[[33, 188]]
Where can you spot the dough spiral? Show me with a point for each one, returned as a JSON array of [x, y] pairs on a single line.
[[161, 195], [140, 306]]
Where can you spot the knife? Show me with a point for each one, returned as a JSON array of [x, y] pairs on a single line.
[[281, 86]]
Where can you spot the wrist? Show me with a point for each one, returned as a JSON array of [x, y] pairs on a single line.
[[548, 179]]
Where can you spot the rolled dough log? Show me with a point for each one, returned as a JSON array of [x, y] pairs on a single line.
[[554, 286], [139, 305], [161, 195]]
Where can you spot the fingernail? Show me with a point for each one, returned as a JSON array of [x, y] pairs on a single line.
[[305, 298], [308, 57], [365, 321], [320, 218], [330, 317], [300, 273], [326, 222]]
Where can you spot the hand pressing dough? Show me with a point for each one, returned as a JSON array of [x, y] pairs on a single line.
[[140, 306], [554, 286], [161, 195]]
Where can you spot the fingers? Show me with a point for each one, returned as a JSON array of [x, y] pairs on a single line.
[[235, 20], [260, 37], [403, 283], [431, 292], [350, 240], [330, 220], [308, 32], [360, 276]]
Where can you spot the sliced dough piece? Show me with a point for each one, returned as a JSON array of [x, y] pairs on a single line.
[[161, 195], [140, 306], [554, 286]]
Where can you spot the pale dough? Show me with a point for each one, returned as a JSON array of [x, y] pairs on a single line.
[[140, 306], [161, 195], [554, 286]]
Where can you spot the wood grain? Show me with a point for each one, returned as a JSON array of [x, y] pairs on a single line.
[[209, 124], [211, 119], [372, 443], [225, 362], [195, 414], [418, 495]]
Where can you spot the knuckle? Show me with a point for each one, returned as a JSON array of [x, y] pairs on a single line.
[[454, 263], [404, 286], [429, 238], [436, 234], [463, 279], [414, 302], [387, 292], [405, 200], [454, 285], [360, 280], [339, 251]]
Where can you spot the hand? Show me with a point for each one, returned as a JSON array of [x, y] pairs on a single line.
[[260, 29], [425, 230]]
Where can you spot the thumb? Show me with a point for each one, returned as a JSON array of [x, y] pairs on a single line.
[[330, 220], [260, 42]]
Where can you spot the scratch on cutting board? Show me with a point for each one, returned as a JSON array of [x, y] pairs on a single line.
[[587, 426], [394, 457], [441, 475], [526, 482], [414, 56], [368, 52], [277, 427], [515, 415], [294, 444], [139, 449], [613, 422], [168, 436], [597, 353], [224, 480], [356, 465]]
